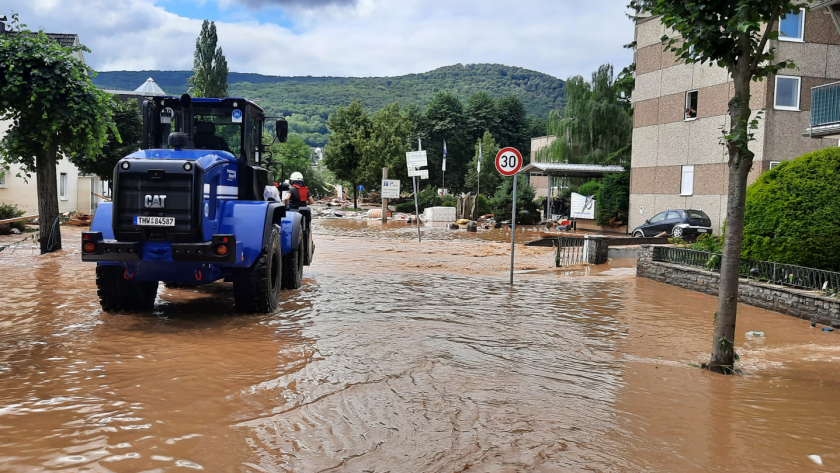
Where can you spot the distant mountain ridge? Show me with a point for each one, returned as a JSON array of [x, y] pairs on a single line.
[[310, 100]]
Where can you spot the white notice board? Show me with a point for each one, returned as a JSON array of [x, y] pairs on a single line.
[[583, 206], [390, 189], [415, 159]]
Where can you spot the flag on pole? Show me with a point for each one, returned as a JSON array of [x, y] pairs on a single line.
[[444, 155], [478, 167]]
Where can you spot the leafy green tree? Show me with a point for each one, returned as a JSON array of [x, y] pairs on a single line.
[[351, 129], [490, 177], [210, 69], [129, 127], [54, 109], [481, 115], [444, 120], [296, 156], [613, 199], [595, 124], [388, 143], [734, 35], [512, 127], [527, 210]]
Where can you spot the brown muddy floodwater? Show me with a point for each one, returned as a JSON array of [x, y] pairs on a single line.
[[404, 357]]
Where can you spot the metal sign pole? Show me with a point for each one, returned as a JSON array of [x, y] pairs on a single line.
[[513, 229], [416, 206]]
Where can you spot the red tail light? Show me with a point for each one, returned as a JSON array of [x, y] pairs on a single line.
[[89, 247], [221, 250]]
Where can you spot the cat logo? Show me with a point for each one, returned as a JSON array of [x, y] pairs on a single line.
[[155, 201]]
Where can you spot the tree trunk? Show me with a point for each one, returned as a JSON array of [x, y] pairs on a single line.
[[50, 234], [740, 162], [355, 190]]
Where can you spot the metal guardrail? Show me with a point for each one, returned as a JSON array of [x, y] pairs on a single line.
[[573, 251], [766, 271]]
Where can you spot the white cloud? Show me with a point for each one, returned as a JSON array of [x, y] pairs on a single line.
[[347, 38]]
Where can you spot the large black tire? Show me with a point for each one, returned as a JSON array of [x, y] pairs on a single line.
[[293, 265], [117, 293], [257, 289], [310, 248]]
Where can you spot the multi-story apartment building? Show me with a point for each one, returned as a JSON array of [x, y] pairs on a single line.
[[679, 160]]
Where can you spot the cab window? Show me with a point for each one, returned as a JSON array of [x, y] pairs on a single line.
[[216, 131]]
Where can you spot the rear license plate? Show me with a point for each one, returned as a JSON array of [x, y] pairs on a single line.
[[154, 221], [702, 230]]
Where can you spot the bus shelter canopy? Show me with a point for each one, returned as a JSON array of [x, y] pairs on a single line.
[[570, 170]]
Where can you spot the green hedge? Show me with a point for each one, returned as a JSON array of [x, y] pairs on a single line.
[[793, 212]]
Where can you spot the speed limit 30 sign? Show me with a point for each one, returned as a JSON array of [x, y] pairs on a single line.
[[508, 161]]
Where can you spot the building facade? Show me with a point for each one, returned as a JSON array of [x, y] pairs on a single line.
[[679, 160], [540, 182]]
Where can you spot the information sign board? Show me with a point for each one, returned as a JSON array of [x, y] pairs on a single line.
[[390, 189], [415, 159]]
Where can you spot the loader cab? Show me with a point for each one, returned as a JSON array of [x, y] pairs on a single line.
[[230, 125]]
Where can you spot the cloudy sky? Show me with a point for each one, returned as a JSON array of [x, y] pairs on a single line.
[[343, 37]]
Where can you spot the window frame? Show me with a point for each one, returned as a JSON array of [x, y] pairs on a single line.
[[776, 93], [801, 29], [683, 170], [62, 186], [688, 104], [774, 164]]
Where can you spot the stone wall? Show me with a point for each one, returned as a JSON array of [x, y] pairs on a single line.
[[803, 304]]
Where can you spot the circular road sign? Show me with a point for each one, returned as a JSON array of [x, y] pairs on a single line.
[[508, 161], [361, 187]]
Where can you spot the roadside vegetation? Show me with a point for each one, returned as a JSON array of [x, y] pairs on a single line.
[[791, 212]]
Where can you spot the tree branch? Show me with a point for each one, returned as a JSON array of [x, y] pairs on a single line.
[[766, 36]]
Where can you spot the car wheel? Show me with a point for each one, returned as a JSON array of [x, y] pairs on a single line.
[[638, 234], [677, 232]]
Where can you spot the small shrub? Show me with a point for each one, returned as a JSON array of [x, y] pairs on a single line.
[[12, 211]]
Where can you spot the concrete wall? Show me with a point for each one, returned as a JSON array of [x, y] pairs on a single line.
[[806, 305], [663, 141]]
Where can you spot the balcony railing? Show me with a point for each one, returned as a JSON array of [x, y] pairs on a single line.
[[825, 110]]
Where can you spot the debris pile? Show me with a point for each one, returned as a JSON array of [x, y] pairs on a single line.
[[80, 219]]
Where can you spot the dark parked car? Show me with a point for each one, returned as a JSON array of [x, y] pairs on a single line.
[[679, 223]]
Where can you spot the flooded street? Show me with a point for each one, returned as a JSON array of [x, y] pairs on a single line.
[[405, 357]]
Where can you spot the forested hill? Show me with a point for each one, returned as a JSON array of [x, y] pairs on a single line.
[[312, 99]]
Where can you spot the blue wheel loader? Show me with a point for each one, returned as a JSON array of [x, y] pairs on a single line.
[[195, 205]]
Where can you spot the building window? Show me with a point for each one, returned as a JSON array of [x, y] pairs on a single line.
[[2, 179], [62, 185], [690, 105], [774, 164], [787, 93], [687, 184], [792, 26]]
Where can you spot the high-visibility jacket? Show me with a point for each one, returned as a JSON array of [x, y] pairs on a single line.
[[300, 194]]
